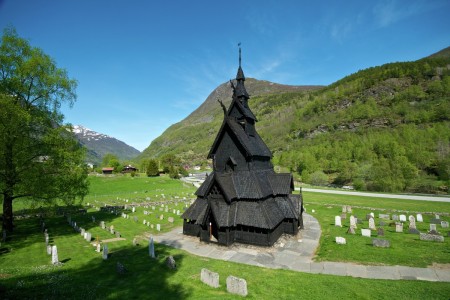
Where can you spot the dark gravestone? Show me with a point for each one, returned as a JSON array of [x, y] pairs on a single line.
[[381, 243], [120, 268], [381, 223], [435, 221], [413, 231], [431, 237], [170, 263], [351, 230], [380, 231]]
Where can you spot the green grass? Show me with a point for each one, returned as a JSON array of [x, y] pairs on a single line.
[[26, 272], [406, 249]]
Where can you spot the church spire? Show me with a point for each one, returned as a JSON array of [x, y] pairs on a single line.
[[240, 78]]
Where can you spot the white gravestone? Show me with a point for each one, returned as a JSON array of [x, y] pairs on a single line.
[[366, 232], [158, 227], [209, 278], [402, 218], [412, 222], [55, 260], [433, 227], [353, 222], [372, 224], [419, 218], [236, 286], [340, 240], [398, 227], [444, 224], [337, 221]]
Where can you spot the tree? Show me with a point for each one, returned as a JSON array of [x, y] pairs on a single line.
[[40, 158], [152, 168]]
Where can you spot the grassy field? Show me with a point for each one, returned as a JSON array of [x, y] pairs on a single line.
[[26, 272]]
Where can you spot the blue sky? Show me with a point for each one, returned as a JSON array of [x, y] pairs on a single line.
[[144, 65]]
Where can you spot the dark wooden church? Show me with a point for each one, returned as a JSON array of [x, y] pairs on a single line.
[[243, 200]]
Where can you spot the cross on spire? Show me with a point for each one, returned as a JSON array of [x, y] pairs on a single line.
[[239, 45]]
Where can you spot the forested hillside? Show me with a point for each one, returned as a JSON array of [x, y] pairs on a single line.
[[385, 128]]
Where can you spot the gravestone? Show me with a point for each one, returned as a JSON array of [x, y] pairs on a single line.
[[381, 223], [381, 243], [380, 231], [105, 252], [353, 222], [178, 212], [340, 240], [372, 224], [170, 219], [444, 224], [144, 222], [337, 221], [384, 216], [46, 239], [111, 229], [351, 230], [349, 209], [366, 232], [151, 248], [237, 286], [133, 209], [158, 227], [343, 216], [413, 231], [55, 260], [344, 208], [433, 227], [161, 217], [412, 222], [394, 218], [210, 278], [117, 234], [368, 217], [102, 224], [82, 232], [437, 217], [398, 227], [431, 237], [49, 250], [97, 248], [419, 218], [120, 268], [402, 218], [170, 263], [88, 237], [435, 221]]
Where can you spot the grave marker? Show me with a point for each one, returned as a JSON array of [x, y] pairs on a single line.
[[431, 237], [151, 248], [340, 240], [237, 286], [444, 224], [372, 224], [412, 222], [353, 222], [380, 231], [170, 219], [398, 227], [55, 260], [337, 221], [419, 218], [158, 227], [366, 232], [402, 218], [381, 243], [105, 252], [209, 278]]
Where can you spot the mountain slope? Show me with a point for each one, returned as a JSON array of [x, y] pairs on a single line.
[[98, 145], [192, 137], [385, 128]]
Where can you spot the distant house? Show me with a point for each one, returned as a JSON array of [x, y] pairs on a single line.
[[107, 170], [129, 169]]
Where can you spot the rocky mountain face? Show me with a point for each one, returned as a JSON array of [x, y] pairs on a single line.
[[99, 144]]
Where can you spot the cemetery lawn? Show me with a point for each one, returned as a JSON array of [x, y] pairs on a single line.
[[406, 249], [26, 272]]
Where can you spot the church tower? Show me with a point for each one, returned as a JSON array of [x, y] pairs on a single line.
[[243, 200]]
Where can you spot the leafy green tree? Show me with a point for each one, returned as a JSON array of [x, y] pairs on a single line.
[[152, 168], [40, 158]]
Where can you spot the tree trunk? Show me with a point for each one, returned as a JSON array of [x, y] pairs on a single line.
[[7, 212]]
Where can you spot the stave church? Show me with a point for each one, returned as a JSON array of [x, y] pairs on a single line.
[[243, 200]]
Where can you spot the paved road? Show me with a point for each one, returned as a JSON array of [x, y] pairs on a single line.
[[296, 253], [394, 196]]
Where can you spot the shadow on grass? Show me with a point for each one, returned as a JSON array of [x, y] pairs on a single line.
[[83, 273]]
